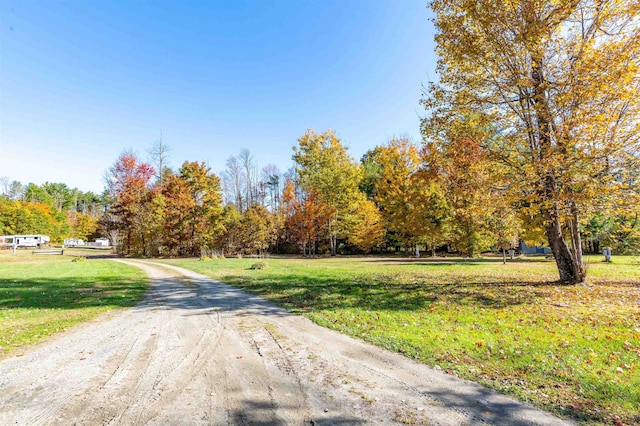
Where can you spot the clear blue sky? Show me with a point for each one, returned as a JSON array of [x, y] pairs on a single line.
[[81, 81]]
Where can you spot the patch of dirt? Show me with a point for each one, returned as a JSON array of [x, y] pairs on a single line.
[[197, 351]]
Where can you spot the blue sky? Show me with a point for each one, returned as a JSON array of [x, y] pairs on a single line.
[[81, 81]]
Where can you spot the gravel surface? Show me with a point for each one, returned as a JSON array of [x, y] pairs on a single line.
[[197, 351]]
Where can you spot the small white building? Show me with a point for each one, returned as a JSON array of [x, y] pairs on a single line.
[[104, 242], [73, 242], [100, 242]]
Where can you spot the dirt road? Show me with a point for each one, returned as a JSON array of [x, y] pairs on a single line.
[[196, 351]]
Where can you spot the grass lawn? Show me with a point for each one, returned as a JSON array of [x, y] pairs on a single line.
[[573, 350], [43, 295]]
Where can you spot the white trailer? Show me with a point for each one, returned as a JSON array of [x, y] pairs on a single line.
[[25, 240]]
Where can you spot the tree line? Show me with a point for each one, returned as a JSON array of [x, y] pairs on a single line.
[[399, 196], [51, 209]]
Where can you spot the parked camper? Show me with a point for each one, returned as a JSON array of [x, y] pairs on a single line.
[[73, 242], [25, 240], [7, 241]]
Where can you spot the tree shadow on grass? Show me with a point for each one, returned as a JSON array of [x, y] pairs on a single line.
[[70, 292], [294, 291], [454, 261], [321, 293]]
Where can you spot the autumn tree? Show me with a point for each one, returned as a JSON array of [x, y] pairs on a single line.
[[309, 221], [229, 239], [258, 229], [506, 227], [325, 169], [368, 232], [176, 204], [83, 225], [305, 218], [129, 181], [410, 201], [203, 218], [23, 217], [371, 173], [560, 81], [471, 185]]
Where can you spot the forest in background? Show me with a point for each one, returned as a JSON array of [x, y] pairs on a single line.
[[399, 196]]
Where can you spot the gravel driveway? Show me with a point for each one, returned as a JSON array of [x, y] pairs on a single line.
[[196, 351]]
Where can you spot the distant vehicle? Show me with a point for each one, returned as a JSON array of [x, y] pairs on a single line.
[[25, 240]]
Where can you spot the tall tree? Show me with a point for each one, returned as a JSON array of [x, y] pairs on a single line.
[[396, 189], [259, 229], [61, 195], [159, 155], [229, 239], [129, 182], [178, 206], [368, 232], [37, 194], [272, 178], [325, 169], [411, 204], [468, 176], [307, 220], [233, 181], [84, 226], [16, 190], [250, 177], [204, 219], [560, 80], [4, 186]]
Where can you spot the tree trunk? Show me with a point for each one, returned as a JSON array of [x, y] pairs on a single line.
[[334, 243], [504, 256], [570, 269], [576, 240], [569, 264]]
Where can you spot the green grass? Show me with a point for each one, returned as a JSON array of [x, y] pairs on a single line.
[[44, 295], [573, 350]]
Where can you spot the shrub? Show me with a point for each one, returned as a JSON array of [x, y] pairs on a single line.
[[259, 265]]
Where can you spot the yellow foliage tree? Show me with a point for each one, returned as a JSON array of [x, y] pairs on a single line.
[[368, 232], [560, 81], [325, 169]]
